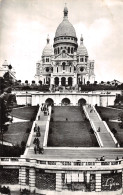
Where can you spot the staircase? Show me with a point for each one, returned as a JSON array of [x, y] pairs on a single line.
[[103, 134]]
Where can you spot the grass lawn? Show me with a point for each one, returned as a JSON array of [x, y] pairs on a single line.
[[112, 114], [73, 132], [24, 113], [17, 132], [119, 134]]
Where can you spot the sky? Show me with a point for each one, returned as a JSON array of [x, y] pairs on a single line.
[[25, 25]]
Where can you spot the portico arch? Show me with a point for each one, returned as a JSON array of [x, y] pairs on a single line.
[[65, 101], [63, 81], [56, 81], [70, 81], [49, 101], [81, 102]]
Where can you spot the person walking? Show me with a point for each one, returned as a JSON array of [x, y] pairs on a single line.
[[35, 149]]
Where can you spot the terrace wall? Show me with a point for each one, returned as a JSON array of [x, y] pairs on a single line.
[[39, 98], [88, 176]]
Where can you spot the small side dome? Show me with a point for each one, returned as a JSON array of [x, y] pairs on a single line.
[[81, 48], [5, 63], [48, 50]]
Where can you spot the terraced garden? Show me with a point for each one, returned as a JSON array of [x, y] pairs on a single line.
[[18, 132], [69, 128], [25, 113]]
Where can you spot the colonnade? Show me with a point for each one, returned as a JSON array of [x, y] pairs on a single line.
[[59, 183]]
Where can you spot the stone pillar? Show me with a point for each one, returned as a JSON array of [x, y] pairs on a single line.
[[59, 81], [98, 182], [66, 80], [58, 182], [88, 177], [22, 177], [32, 179]]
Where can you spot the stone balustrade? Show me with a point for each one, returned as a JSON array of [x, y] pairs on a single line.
[[61, 163]]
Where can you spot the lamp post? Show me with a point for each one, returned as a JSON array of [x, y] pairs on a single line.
[[107, 98], [26, 97]]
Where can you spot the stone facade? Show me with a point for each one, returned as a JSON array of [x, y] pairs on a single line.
[[66, 64]]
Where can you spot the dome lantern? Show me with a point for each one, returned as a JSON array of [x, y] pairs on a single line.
[[65, 11], [81, 40]]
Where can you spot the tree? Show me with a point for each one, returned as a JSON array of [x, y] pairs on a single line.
[[40, 82], [33, 82], [121, 116], [108, 82], [95, 82], [10, 66], [88, 82], [26, 81], [102, 82], [6, 103]]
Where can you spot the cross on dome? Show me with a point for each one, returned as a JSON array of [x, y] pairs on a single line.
[[48, 40], [81, 40], [65, 11]]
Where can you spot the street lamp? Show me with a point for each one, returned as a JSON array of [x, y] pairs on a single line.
[[107, 97], [26, 97]]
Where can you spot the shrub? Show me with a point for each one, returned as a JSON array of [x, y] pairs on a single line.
[[51, 120], [25, 192], [114, 130], [4, 190], [28, 130], [121, 125]]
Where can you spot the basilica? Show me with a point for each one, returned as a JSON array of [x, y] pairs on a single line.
[[66, 63]]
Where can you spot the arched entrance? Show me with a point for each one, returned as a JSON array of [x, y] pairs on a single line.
[[65, 102], [56, 81], [81, 102], [49, 101], [63, 81], [70, 81]]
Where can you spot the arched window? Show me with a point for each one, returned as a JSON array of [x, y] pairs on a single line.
[[72, 50], [47, 69], [81, 59], [47, 59], [68, 49], [70, 68], [57, 68], [63, 65]]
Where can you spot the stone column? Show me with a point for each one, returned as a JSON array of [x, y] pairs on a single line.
[[58, 182], [66, 80], [88, 177], [98, 182], [32, 179], [22, 177], [59, 81]]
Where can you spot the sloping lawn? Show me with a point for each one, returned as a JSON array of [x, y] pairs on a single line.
[[24, 113], [16, 133], [112, 114], [119, 134]]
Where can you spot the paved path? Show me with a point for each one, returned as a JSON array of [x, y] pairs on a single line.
[[105, 136], [42, 124]]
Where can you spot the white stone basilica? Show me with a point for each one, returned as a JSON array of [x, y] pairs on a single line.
[[66, 64]]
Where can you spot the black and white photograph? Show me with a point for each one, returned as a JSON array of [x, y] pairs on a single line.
[[61, 97]]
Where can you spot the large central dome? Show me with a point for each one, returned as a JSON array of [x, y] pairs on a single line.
[[65, 28]]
